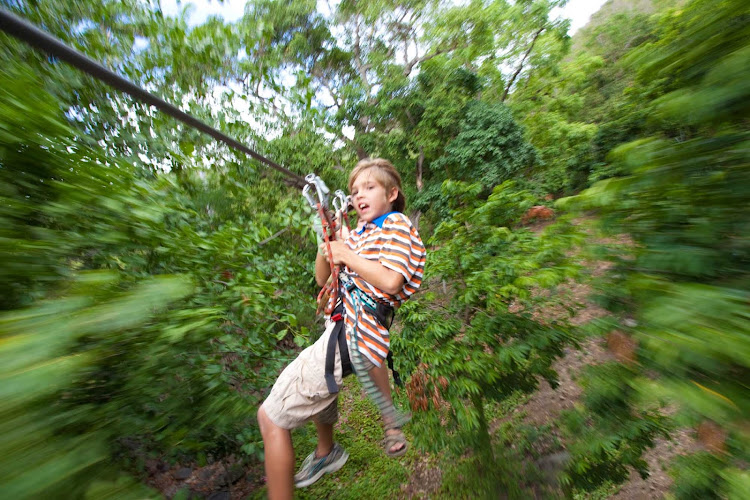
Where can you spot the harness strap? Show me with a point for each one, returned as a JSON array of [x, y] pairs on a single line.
[[384, 314], [338, 336], [391, 417], [396, 376]]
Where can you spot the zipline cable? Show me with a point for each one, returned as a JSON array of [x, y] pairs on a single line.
[[40, 40]]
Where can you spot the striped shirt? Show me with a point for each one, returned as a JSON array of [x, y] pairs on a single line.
[[392, 241]]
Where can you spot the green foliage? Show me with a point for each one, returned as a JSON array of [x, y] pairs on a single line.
[[102, 354], [697, 476], [607, 437], [155, 282], [579, 110], [53, 435], [683, 201], [489, 147], [483, 343]]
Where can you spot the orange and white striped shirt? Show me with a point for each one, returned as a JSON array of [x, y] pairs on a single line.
[[391, 240]]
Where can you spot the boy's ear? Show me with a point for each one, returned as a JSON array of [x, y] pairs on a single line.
[[393, 195]]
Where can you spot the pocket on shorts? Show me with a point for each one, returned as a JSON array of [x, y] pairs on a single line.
[[312, 382]]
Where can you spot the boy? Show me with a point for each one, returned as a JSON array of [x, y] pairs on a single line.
[[382, 263]]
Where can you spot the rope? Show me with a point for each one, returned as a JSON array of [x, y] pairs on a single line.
[[33, 36], [328, 295]]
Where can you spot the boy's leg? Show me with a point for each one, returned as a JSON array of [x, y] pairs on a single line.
[[325, 439], [379, 375], [279, 458], [328, 456]]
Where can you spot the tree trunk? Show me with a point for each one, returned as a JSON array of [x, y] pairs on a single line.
[[484, 442], [420, 161]]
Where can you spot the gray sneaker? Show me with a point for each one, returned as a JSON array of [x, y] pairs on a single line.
[[313, 468]]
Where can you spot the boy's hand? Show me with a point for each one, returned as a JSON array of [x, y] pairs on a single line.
[[339, 254]]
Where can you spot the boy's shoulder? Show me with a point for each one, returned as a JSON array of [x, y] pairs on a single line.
[[397, 218]]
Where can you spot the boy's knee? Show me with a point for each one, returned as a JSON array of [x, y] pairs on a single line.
[[263, 420]]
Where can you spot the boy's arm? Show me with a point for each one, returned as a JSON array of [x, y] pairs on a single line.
[[322, 269], [371, 271]]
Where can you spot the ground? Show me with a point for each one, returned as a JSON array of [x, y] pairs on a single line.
[[536, 442]]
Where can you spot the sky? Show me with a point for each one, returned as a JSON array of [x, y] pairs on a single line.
[[578, 11]]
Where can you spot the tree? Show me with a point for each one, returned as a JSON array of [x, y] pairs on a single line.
[[489, 147], [683, 284], [484, 341]]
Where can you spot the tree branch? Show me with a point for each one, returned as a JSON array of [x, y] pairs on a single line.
[[523, 61], [361, 68], [410, 66]]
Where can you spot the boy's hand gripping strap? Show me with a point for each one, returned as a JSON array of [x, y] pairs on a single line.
[[330, 289]]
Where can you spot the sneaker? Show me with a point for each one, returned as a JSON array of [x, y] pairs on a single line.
[[313, 468]]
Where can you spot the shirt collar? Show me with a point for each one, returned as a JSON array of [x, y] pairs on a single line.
[[378, 221]]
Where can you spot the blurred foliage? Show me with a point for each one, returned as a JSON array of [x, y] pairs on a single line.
[[156, 282], [684, 280], [102, 353]]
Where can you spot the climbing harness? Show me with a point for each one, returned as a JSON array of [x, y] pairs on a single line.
[[393, 418], [383, 313]]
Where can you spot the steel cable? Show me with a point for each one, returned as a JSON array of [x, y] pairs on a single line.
[[40, 40]]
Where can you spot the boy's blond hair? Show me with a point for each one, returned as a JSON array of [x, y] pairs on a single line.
[[385, 174]]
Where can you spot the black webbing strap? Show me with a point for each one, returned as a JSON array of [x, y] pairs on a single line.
[[338, 336], [396, 377], [385, 315]]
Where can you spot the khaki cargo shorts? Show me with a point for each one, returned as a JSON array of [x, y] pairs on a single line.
[[300, 394]]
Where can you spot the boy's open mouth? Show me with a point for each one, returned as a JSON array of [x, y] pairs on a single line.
[[363, 206]]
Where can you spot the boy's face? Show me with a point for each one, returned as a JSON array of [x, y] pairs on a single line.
[[369, 197]]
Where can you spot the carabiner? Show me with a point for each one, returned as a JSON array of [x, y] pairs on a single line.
[[309, 196], [320, 187], [341, 202]]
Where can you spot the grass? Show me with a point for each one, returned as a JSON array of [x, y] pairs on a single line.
[[369, 472]]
